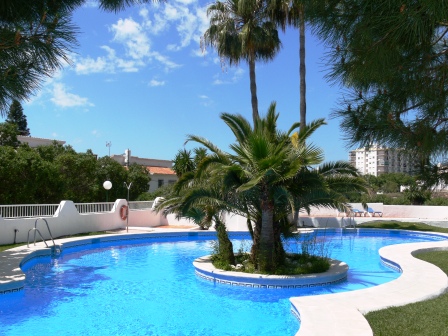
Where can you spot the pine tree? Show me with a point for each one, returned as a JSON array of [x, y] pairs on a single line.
[[16, 116]]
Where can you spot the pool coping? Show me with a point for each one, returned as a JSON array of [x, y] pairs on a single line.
[[204, 268], [322, 315]]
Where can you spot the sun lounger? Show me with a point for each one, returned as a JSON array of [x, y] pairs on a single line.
[[356, 212], [372, 212]]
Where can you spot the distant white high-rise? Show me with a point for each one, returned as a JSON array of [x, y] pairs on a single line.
[[376, 160]]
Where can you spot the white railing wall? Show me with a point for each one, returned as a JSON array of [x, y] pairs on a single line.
[[27, 210], [134, 205], [84, 208], [66, 219]]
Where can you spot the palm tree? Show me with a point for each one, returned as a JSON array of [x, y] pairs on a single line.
[[241, 30], [183, 162], [264, 164], [265, 179], [201, 199], [292, 12]]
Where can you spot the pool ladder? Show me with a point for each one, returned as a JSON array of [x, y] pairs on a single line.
[[56, 249], [351, 221]]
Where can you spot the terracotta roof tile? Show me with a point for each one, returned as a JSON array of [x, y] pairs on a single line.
[[160, 170]]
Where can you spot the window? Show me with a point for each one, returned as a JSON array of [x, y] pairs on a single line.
[[160, 183], [171, 181]]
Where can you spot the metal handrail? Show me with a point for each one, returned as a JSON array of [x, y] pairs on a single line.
[[36, 230]]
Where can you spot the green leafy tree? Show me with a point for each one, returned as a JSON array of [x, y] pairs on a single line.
[[108, 169], [417, 194], [392, 56], [77, 173], [16, 116], [242, 30], [138, 175], [8, 135]]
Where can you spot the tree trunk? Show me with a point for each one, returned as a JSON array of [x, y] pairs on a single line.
[[253, 88], [302, 75], [225, 245], [266, 255], [302, 68], [255, 243]]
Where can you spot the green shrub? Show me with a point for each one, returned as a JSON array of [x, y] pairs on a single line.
[[441, 201]]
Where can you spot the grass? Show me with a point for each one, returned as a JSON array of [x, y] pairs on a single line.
[[402, 226], [426, 318], [95, 233]]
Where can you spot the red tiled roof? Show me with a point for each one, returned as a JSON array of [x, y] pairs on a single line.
[[160, 170]]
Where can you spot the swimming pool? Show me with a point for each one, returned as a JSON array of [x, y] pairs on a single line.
[[148, 287]]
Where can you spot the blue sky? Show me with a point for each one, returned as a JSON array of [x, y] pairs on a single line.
[[140, 80]]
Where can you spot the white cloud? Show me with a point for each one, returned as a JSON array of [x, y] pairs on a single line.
[[132, 47], [155, 26], [205, 100], [237, 74], [91, 3], [155, 82], [228, 77], [62, 98], [191, 23], [96, 133], [169, 65], [130, 33], [186, 2], [89, 65]]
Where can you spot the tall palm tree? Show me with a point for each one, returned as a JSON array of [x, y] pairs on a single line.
[[292, 12], [242, 30]]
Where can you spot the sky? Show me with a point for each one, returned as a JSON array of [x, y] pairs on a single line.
[[140, 80]]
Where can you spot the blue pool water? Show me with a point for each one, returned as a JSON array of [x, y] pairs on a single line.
[[149, 288]]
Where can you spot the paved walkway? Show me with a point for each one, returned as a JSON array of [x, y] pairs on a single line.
[[322, 315]]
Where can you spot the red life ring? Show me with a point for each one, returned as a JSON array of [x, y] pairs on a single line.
[[124, 212]]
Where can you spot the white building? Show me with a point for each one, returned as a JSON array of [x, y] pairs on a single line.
[[160, 170], [376, 160], [35, 142]]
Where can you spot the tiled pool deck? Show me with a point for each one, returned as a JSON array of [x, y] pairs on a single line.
[[322, 315]]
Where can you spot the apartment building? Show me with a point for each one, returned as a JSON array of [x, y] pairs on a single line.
[[160, 170], [376, 160]]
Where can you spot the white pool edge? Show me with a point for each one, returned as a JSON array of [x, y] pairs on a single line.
[[343, 313]]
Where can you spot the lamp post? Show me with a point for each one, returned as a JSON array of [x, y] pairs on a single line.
[[109, 144], [107, 185], [128, 186]]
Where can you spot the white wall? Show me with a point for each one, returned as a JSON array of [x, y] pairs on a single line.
[[67, 220], [416, 211]]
